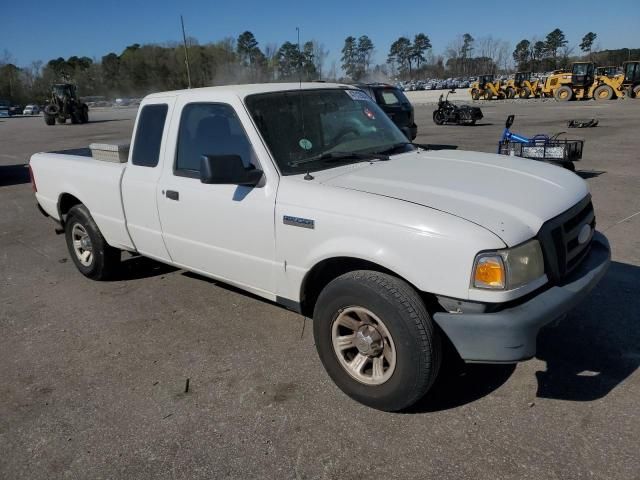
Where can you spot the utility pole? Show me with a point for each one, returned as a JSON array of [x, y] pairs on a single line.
[[186, 52]]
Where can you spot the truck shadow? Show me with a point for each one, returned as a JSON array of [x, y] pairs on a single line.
[[13, 175], [137, 267], [588, 354], [598, 346]]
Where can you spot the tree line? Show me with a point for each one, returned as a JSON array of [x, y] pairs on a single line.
[[140, 69], [555, 52]]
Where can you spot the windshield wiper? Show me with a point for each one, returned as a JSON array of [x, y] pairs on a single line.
[[424, 146], [337, 156]]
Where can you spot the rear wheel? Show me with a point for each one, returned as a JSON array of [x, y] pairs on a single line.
[[90, 252], [85, 114], [564, 93], [438, 117], [49, 119], [376, 339], [635, 92], [603, 92]]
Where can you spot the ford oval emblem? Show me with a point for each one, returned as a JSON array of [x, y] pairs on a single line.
[[585, 233]]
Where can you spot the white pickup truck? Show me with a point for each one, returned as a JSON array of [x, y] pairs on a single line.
[[308, 195]]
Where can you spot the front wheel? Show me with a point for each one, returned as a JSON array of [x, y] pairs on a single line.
[[49, 119], [603, 92], [90, 252], [376, 339], [438, 117]]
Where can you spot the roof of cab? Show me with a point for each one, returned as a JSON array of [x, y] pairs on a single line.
[[252, 88]]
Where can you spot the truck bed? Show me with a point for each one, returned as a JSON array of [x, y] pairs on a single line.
[[94, 183]]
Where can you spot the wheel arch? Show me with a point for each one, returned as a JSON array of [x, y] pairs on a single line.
[[328, 269], [66, 201]]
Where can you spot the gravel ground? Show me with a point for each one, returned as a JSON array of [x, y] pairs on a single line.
[[92, 375]]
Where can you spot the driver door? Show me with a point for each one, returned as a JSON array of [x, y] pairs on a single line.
[[222, 231]]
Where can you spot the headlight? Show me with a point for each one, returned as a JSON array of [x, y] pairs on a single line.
[[510, 268]]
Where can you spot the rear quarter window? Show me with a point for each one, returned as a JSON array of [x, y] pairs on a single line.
[[390, 96], [146, 145]]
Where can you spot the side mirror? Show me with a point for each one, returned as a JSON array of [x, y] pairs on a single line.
[[227, 170], [509, 121]]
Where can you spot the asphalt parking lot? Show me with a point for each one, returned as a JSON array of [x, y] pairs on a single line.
[[92, 375]]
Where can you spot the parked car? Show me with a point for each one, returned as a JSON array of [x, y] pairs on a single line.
[[31, 110], [395, 104], [15, 110], [314, 199]]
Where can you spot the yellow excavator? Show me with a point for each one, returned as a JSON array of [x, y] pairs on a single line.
[[522, 86], [486, 87]]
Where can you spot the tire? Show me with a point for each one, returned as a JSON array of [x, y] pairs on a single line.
[[488, 95], [634, 92], [61, 120], [394, 327], [563, 93], [75, 117], [475, 94], [103, 260], [438, 117], [511, 93], [603, 92], [49, 120], [525, 93], [85, 114]]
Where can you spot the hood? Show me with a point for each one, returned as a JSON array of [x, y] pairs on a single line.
[[510, 196]]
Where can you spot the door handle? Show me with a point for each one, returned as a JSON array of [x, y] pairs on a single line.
[[173, 195]]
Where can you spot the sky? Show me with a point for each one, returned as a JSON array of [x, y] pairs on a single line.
[[44, 29]]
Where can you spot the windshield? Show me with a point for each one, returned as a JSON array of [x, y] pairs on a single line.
[[62, 90], [306, 124], [581, 68]]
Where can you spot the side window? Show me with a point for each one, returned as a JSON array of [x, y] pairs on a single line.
[[210, 129], [389, 97], [146, 145]]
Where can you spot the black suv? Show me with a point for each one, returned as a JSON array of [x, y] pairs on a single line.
[[395, 104]]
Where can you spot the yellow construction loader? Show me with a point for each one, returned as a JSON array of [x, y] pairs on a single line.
[[625, 84], [486, 87], [522, 86], [582, 83]]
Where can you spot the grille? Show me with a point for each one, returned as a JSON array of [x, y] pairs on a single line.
[[559, 239]]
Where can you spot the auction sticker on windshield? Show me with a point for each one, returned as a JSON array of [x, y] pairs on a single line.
[[358, 95]]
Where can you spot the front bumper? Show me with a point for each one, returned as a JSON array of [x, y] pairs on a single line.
[[510, 335]]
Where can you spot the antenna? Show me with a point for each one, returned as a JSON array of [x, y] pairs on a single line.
[[186, 52], [299, 58]]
